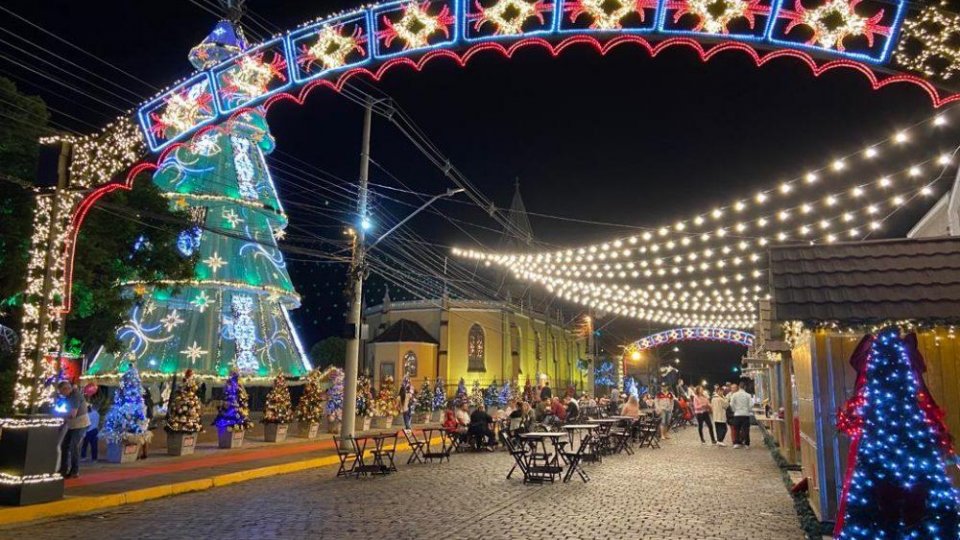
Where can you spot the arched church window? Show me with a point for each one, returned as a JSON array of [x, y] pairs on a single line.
[[476, 347], [410, 364]]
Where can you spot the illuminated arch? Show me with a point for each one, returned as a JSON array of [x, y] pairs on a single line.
[[676, 335]]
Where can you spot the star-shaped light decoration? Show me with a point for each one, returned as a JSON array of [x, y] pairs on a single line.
[[251, 76], [331, 48], [279, 234], [714, 16], [833, 22], [183, 110], [149, 307], [232, 218], [202, 301], [139, 289], [206, 145], [215, 262], [416, 25], [171, 321], [181, 203], [508, 16], [193, 352], [608, 14]]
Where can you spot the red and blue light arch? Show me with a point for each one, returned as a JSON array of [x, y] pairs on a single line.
[[330, 51]]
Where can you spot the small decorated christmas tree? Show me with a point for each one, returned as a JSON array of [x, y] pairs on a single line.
[[310, 407], [364, 396], [425, 398], [896, 484], [491, 395], [278, 409], [439, 395], [476, 395], [126, 423], [461, 396], [184, 413], [505, 395], [234, 412], [334, 407], [386, 402]]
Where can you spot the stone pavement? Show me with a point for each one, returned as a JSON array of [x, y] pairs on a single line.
[[684, 490]]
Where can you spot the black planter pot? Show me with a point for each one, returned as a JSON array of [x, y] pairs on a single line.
[[30, 460]]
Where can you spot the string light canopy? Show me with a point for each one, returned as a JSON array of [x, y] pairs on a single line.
[[710, 270]]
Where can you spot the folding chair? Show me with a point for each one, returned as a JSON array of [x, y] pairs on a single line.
[[348, 453], [387, 451], [519, 455], [573, 460], [621, 440], [416, 447]]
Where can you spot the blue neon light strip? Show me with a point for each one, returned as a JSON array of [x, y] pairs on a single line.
[[461, 33]]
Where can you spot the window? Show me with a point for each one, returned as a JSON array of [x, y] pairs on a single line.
[[410, 364], [475, 349], [387, 369]]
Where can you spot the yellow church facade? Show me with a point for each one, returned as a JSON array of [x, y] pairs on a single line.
[[481, 341]]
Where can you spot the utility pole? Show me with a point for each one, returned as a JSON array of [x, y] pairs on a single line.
[[44, 317], [357, 269]]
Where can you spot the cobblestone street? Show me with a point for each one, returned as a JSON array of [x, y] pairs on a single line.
[[684, 490]]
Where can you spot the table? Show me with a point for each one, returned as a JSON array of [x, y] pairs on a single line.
[[571, 429], [592, 454], [444, 447], [551, 462], [378, 466]]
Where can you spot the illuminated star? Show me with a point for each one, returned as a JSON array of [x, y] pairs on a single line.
[[181, 203], [279, 234], [332, 48], [416, 25], [215, 262], [508, 16], [171, 321], [232, 218], [202, 301], [835, 21], [149, 308], [193, 352], [140, 289]]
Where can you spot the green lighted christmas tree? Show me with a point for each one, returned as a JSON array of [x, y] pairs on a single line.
[[310, 407], [461, 396], [425, 398], [278, 409], [234, 312]]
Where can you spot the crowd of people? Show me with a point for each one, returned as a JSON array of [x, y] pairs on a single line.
[[723, 409]]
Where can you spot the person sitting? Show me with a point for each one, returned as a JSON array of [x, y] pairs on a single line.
[[543, 410], [631, 408], [572, 411], [480, 429], [450, 423], [557, 411], [648, 402], [463, 418]]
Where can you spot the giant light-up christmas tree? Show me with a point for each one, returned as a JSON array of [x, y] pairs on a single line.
[[235, 311]]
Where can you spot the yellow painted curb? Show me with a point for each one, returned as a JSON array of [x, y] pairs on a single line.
[[91, 503]]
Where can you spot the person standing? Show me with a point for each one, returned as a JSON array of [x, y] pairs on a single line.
[[546, 392], [740, 402], [90, 437], [76, 422], [718, 406], [406, 402], [664, 407], [701, 408]]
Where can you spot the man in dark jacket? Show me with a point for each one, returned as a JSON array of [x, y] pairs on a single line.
[[480, 423], [545, 392]]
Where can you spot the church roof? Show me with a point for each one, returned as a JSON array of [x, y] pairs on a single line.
[[406, 331]]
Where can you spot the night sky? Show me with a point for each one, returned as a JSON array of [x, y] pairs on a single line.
[[622, 139]]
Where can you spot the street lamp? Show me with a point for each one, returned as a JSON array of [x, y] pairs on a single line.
[[357, 270]]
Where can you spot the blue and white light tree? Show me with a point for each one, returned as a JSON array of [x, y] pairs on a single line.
[[461, 396], [126, 422], [896, 484], [439, 395]]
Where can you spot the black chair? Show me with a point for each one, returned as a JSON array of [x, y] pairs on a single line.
[[519, 455], [573, 460], [620, 439], [416, 447], [348, 454], [388, 451]]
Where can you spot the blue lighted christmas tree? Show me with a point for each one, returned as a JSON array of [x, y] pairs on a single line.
[[896, 484], [461, 396], [439, 395], [491, 395], [127, 420], [505, 395], [234, 412]]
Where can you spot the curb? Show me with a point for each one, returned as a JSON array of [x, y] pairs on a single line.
[[90, 503]]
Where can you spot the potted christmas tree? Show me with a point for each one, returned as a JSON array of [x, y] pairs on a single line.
[[385, 406], [183, 418], [334, 409], [364, 404], [461, 396], [476, 396], [505, 395], [278, 411], [424, 403], [233, 416], [491, 396], [125, 428], [310, 408], [439, 400]]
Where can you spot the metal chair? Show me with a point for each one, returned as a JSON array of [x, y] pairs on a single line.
[[416, 447], [348, 453]]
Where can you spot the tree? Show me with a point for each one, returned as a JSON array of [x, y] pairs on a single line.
[[505, 394], [461, 396], [439, 395], [115, 246], [234, 412], [425, 397], [278, 409], [386, 402], [476, 395], [896, 484], [24, 121], [334, 408], [329, 351], [184, 413], [310, 407], [126, 422], [491, 395], [364, 396]]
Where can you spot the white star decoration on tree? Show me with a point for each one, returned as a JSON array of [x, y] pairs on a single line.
[[232, 218], [171, 321], [215, 262], [193, 352], [202, 301], [279, 234]]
